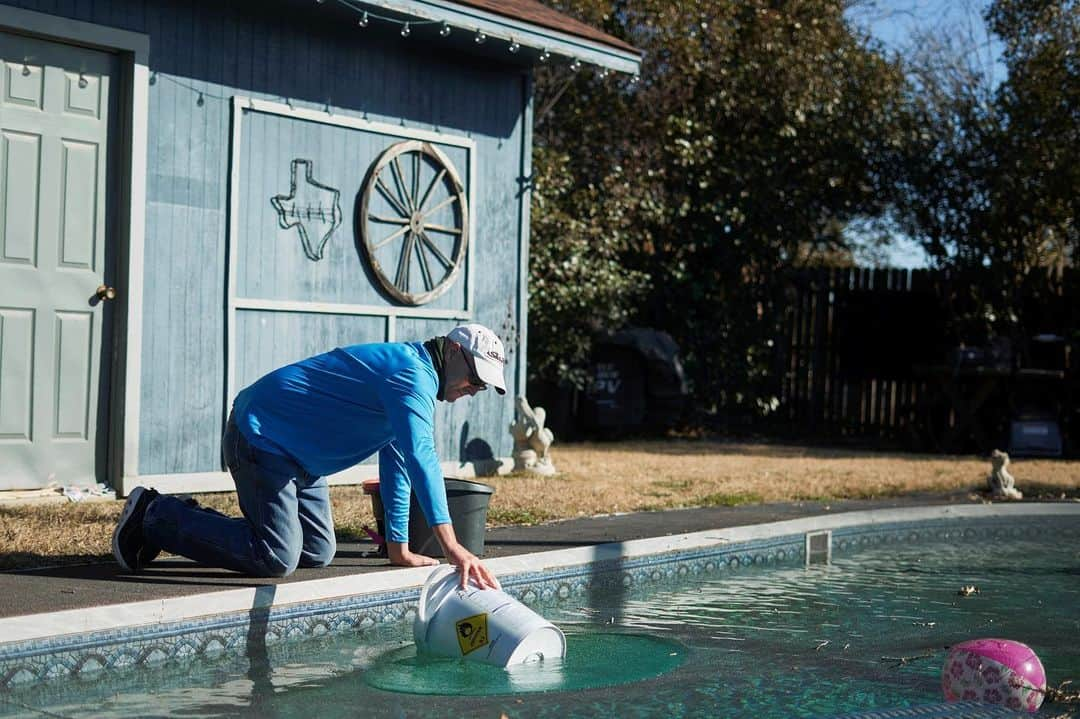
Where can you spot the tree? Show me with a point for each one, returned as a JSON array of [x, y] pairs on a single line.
[[990, 183], [577, 282], [757, 131], [1040, 144]]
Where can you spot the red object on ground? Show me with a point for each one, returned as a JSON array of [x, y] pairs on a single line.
[[370, 487]]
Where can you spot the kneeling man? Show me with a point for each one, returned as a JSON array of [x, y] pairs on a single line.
[[302, 422]]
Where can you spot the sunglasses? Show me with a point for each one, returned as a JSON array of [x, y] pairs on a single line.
[[474, 377]]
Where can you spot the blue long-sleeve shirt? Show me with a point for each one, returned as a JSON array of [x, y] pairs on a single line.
[[333, 410]]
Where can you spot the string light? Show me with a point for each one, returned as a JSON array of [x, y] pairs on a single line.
[[200, 95], [445, 29]]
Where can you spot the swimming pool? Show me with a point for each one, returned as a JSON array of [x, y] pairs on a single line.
[[758, 632]]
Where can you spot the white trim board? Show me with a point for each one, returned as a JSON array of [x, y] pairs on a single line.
[[200, 606], [332, 308], [356, 123], [77, 32], [524, 234], [134, 48], [222, 481], [242, 104]]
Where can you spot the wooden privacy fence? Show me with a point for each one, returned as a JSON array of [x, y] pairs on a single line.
[[832, 381], [871, 354]]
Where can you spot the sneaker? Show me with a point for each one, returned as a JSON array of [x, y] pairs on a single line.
[[129, 543], [148, 553]]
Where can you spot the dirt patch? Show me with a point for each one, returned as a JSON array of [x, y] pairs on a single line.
[[596, 479]]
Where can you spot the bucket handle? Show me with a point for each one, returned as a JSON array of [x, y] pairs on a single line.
[[435, 579]]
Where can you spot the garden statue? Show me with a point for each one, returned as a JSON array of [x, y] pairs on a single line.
[[531, 439], [1000, 480]]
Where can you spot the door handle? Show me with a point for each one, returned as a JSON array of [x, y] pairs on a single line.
[[104, 292]]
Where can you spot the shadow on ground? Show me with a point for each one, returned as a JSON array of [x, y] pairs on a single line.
[[709, 447]]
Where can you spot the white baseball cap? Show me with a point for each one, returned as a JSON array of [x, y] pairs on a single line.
[[487, 351]]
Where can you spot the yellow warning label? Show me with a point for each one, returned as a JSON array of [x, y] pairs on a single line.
[[472, 633]]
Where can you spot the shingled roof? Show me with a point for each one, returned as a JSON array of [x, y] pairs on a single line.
[[537, 13]]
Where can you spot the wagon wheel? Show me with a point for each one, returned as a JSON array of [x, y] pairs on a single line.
[[414, 222]]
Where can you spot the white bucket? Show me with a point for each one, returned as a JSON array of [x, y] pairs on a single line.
[[485, 625]]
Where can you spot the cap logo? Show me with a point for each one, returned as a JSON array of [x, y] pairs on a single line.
[[496, 356]]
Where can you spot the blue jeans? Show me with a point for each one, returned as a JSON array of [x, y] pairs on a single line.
[[286, 522]]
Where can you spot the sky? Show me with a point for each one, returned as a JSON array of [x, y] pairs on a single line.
[[896, 23]]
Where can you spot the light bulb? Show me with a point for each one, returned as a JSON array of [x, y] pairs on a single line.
[[405, 30], [363, 21], [445, 29]]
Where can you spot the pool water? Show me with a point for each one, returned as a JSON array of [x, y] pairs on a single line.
[[593, 659], [868, 632]]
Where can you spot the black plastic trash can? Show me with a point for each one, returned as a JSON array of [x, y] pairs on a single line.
[[637, 383], [468, 504]]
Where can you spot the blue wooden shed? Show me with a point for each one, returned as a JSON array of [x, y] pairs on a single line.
[[193, 193]]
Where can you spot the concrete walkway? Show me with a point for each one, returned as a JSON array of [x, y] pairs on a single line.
[[36, 591]]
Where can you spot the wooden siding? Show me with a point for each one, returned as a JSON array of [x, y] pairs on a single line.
[[270, 51], [267, 340]]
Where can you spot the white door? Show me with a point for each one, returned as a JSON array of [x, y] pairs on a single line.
[[54, 130]]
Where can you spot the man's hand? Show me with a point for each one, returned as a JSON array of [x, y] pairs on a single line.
[[468, 564], [401, 556]]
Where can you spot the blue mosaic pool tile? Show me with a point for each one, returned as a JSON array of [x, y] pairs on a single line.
[[860, 537], [30, 662]]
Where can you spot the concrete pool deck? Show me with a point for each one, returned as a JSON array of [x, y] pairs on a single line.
[[74, 587]]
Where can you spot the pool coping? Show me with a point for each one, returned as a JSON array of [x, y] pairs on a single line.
[[197, 607]]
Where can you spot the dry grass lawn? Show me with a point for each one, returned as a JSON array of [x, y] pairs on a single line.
[[596, 479]]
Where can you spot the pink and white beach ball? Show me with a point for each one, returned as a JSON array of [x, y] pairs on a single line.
[[994, 671]]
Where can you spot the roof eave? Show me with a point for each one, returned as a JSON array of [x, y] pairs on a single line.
[[532, 38]]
